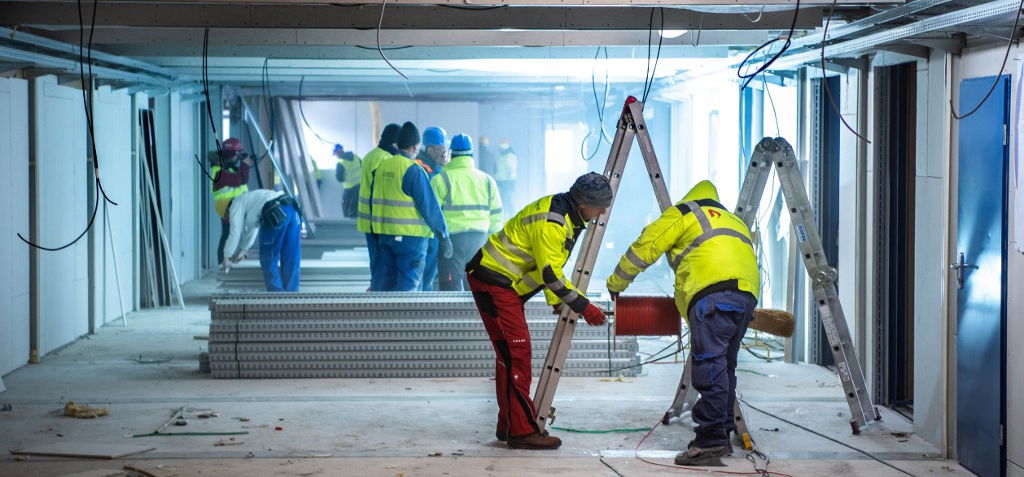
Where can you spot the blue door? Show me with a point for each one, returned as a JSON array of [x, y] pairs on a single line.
[[980, 272]]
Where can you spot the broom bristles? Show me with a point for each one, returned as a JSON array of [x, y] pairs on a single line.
[[775, 322]]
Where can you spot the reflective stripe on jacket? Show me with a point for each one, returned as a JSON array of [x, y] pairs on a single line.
[[708, 247], [370, 163], [530, 251], [392, 211], [469, 198]]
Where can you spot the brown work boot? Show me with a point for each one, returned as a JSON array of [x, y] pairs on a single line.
[[710, 456], [535, 441]]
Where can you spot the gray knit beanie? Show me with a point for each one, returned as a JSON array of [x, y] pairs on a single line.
[[592, 190]]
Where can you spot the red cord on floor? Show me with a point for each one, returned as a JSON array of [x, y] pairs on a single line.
[[636, 453]]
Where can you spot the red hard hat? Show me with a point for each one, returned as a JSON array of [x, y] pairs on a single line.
[[232, 145]]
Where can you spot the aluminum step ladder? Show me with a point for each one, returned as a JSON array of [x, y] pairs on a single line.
[[778, 152]]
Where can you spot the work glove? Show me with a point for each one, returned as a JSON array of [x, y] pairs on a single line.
[[614, 295], [593, 315], [445, 248]]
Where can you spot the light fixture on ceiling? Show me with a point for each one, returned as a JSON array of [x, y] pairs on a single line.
[[560, 88], [672, 33]]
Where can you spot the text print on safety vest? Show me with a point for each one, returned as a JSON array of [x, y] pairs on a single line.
[[801, 233]]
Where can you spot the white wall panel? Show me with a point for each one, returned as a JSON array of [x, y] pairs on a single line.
[[14, 274], [113, 117], [184, 185], [61, 213]]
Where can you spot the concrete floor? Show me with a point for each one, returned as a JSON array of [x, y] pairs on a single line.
[[391, 427]]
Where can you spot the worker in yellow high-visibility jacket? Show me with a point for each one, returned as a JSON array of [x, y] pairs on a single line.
[[349, 173], [385, 149], [523, 258], [717, 286], [230, 172]]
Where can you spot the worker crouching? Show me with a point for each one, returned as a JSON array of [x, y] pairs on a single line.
[[523, 258], [277, 219], [716, 288]]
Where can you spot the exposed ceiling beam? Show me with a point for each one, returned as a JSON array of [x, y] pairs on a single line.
[[225, 42], [367, 16]]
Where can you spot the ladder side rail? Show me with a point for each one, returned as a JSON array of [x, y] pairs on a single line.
[[650, 158], [823, 278], [251, 118], [560, 341], [754, 181]]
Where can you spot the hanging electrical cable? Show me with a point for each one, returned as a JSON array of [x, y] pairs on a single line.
[[84, 58], [999, 74], [649, 78], [787, 41], [824, 80], [209, 109], [599, 105], [380, 23], [302, 113]]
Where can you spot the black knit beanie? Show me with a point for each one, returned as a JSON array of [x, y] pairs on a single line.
[[592, 190], [409, 136], [390, 134]]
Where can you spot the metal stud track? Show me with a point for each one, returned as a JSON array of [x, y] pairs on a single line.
[[404, 346], [386, 373]]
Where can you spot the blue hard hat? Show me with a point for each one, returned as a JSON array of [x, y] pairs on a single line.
[[462, 143], [434, 136], [337, 147]]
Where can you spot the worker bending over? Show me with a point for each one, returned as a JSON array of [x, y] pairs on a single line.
[[276, 217], [385, 149], [348, 173], [404, 216], [230, 180], [523, 258], [434, 151], [716, 288], [471, 205]]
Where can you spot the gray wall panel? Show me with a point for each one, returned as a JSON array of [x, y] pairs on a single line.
[[14, 277], [61, 198]]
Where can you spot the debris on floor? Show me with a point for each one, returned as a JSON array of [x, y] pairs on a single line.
[[83, 411], [228, 442], [6, 407], [774, 429], [97, 473], [434, 454], [614, 380], [151, 360], [137, 470]]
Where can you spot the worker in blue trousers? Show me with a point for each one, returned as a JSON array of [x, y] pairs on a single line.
[[431, 157], [385, 149], [277, 219], [404, 216]]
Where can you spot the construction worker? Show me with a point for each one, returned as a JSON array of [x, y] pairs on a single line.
[[523, 258], [430, 157], [716, 288], [472, 209], [404, 216], [385, 148], [276, 217], [506, 171], [230, 174], [348, 172], [485, 156]]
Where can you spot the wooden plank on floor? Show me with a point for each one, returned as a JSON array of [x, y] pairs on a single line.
[[85, 449], [97, 473]]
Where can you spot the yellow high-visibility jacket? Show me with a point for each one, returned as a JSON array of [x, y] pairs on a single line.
[[708, 246], [368, 166], [529, 252], [469, 197]]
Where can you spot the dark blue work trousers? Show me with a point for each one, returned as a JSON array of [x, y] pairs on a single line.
[[718, 322], [398, 265], [371, 250], [430, 265], [280, 253]]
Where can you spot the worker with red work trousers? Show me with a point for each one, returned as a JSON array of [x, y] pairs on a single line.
[[230, 179], [523, 258], [717, 287]]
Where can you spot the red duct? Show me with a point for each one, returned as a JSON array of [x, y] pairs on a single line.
[[646, 316]]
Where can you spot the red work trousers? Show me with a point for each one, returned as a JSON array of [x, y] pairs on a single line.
[[501, 310]]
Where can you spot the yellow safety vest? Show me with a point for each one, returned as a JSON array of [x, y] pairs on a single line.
[[392, 211], [708, 246], [222, 197], [469, 198], [353, 172], [530, 251], [370, 163]]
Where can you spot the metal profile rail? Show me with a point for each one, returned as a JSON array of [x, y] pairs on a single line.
[[405, 347], [342, 336], [382, 373], [327, 326], [383, 356], [952, 19]]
